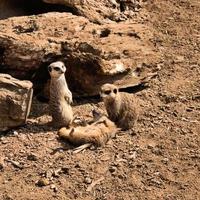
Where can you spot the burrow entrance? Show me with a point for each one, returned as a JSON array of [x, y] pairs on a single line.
[[14, 8]]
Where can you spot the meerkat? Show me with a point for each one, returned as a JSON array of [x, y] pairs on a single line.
[[60, 96], [122, 108], [97, 133]]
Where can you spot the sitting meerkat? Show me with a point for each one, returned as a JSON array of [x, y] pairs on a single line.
[[60, 96], [122, 108]]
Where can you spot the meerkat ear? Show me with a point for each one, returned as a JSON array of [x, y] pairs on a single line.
[[71, 132], [115, 91], [49, 69]]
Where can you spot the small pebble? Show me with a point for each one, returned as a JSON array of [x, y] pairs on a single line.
[[88, 180], [54, 188], [32, 157], [43, 182], [112, 169], [165, 160], [15, 133]]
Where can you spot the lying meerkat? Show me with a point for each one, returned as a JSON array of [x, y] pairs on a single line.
[[60, 96], [97, 133], [122, 108]]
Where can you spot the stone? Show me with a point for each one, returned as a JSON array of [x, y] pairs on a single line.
[[43, 182], [54, 188], [101, 11], [112, 169], [32, 157], [15, 101], [88, 180]]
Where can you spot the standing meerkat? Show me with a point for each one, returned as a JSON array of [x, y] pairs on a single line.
[[122, 108], [60, 96]]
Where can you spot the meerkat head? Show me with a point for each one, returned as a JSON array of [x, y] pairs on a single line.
[[109, 92], [56, 69]]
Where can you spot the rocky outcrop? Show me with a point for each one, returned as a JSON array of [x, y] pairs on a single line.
[[96, 11], [15, 101], [94, 54], [102, 10]]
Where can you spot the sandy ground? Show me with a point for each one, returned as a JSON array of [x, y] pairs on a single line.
[[160, 160]]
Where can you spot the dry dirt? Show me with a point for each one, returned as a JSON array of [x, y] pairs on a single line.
[[160, 160]]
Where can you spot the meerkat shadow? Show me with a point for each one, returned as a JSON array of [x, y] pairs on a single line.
[[64, 146], [34, 127], [28, 128]]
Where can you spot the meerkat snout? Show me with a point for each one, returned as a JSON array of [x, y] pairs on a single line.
[[56, 69]]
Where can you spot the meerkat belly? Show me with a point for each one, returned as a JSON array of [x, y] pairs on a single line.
[[113, 112], [61, 111], [128, 113]]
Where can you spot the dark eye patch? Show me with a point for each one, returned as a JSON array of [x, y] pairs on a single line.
[[56, 68], [115, 91], [107, 92]]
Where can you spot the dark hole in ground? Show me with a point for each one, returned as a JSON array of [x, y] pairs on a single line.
[[39, 78], [1, 56], [12, 8], [122, 6]]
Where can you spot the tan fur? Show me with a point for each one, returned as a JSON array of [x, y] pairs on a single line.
[[60, 96], [122, 108], [97, 133]]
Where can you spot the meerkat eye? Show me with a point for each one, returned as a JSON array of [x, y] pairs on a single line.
[[107, 92], [115, 91], [56, 68]]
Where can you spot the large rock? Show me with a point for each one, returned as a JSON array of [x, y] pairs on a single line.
[[96, 11], [102, 10], [94, 54], [15, 101]]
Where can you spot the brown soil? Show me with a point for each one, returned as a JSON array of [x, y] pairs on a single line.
[[160, 160]]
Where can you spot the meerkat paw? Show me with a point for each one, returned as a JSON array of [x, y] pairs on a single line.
[[69, 99]]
